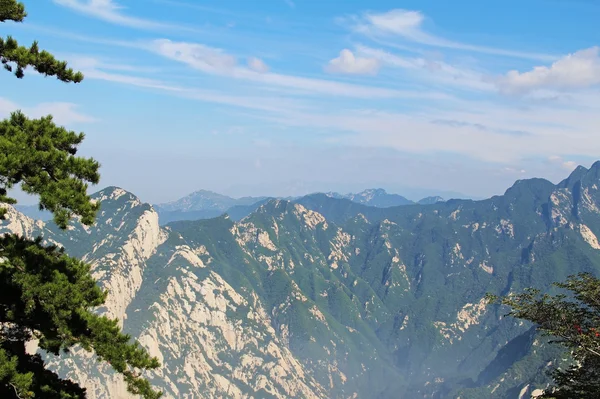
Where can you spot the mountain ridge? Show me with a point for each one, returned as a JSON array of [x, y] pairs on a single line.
[[357, 301], [205, 204]]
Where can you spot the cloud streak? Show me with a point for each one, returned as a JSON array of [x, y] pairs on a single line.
[[110, 11], [429, 70], [217, 62], [96, 70], [407, 25], [480, 130]]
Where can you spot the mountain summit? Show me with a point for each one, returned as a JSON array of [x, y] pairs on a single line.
[[204, 200], [376, 197]]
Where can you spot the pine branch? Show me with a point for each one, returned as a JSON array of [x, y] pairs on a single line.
[[15, 388], [16, 58], [11, 10]]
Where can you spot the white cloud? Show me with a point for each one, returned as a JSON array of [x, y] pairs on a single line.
[[488, 131], [430, 70], [93, 69], [290, 3], [348, 63], [407, 24], [79, 62], [110, 11], [257, 65], [62, 113], [217, 62], [574, 71], [398, 21], [568, 165], [205, 58]]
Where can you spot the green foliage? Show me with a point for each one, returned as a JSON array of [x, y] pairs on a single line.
[[11, 10], [41, 156], [46, 295], [574, 321], [16, 58]]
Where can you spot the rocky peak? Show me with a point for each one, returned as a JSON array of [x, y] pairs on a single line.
[[377, 197], [17, 223], [573, 178], [114, 193], [528, 189]]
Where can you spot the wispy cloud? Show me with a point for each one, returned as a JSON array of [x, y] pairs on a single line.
[[94, 69], [63, 113], [459, 124], [91, 63], [579, 70], [407, 24], [348, 63], [217, 62], [110, 11], [290, 3], [482, 130], [431, 70]]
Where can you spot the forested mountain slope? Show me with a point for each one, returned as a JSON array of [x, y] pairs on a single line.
[[328, 298]]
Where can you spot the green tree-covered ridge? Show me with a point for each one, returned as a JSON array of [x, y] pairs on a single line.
[[45, 294]]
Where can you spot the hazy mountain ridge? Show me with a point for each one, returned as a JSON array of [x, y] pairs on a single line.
[[327, 297], [203, 200], [376, 197], [204, 204]]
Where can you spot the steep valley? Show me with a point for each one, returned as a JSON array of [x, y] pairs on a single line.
[[323, 297]]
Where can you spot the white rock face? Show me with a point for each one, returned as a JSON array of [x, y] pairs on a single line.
[[191, 330], [537, 393], [205, 350], [469, 315], [561, 202], [19, 224], [311, 219], [126, 278], [589, 236]]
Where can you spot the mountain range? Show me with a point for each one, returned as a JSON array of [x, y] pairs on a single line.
[[204, 204], [326, 297]]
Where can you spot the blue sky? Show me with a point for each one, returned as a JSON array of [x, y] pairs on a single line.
[[285, 97]]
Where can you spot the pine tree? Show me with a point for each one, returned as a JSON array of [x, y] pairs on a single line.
[[44, 293], [572, 320]]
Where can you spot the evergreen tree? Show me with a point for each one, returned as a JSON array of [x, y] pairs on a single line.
[[573, 320], [45, 294]]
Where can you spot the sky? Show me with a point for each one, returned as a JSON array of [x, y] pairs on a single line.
[[288, 97]]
